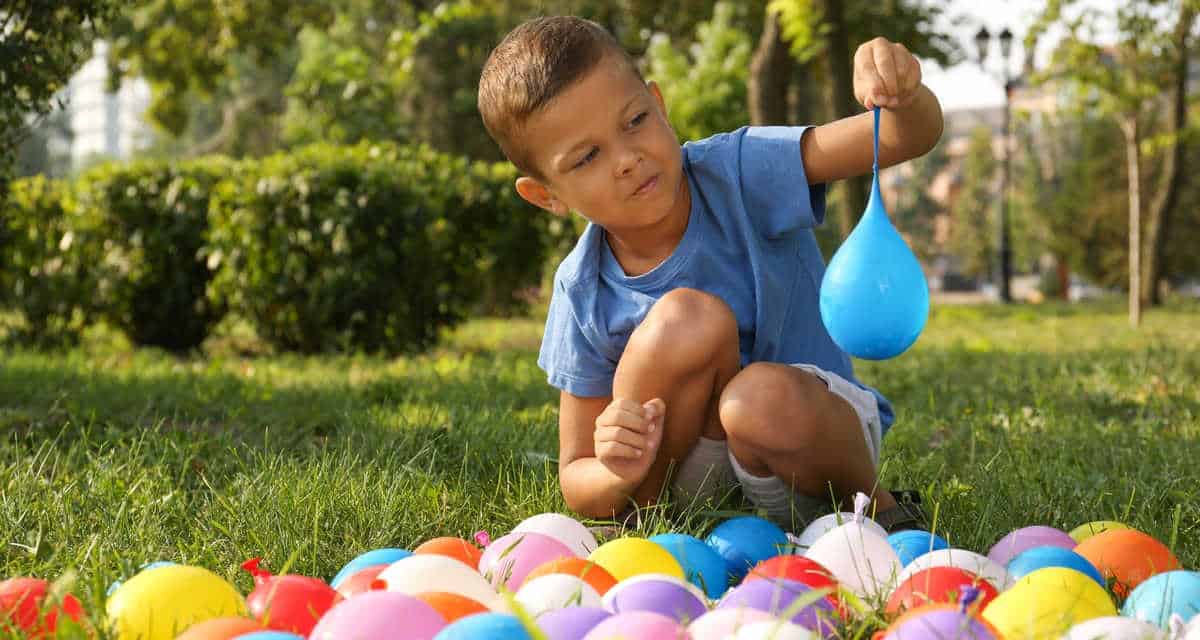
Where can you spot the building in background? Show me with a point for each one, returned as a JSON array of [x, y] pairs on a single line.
[[94, 125]]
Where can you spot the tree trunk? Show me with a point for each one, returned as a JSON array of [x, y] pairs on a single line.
[[1064, 277], [838, 57], [1129, 127], [1161, 208], [770, 75]]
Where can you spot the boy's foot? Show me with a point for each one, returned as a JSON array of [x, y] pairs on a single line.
[[907, 514]]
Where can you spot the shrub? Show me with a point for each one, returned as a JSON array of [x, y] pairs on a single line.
[[370, 247], [153, 222], [45, 269]]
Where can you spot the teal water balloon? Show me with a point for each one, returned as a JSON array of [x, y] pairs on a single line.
[[874, 297]]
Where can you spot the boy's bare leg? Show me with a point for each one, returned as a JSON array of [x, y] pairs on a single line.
[[785, 422], [685, 351]]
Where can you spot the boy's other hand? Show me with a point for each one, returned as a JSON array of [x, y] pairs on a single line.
[[885, 74], [627, 437]]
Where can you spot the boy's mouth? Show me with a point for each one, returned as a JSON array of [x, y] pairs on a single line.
[[647, 186]]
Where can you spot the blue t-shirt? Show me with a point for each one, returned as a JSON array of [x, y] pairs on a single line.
[[749, 241]]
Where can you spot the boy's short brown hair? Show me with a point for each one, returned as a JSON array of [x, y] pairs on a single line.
[[534, 63]]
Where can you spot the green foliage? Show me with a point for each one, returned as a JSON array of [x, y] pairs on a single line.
[[42, 42], [705, 91], [1065, 194], [198, 49], [971, 235], [909, 22], [45, 261], [372, 247], [152, 282]]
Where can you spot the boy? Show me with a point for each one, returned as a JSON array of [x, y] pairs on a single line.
[[684, 333]]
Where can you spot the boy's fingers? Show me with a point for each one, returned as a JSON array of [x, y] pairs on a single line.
[[622, 435], [617, 450], [626, 419], [885, 65]]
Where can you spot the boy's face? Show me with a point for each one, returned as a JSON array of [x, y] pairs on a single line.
[[607, 151]]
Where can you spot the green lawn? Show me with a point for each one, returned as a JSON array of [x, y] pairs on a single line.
[[112, 457]]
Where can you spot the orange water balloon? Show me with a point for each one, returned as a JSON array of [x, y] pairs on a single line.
[[1127, 556], [452, 606], [456, 548], [221, 629], [595, 575]]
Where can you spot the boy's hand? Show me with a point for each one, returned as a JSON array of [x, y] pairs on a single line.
[[627, 437], [885, 74]]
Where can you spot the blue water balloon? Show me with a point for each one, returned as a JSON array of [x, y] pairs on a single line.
[[702, 565], [874, 297], [485, 626], [368, 559], [745, 541]]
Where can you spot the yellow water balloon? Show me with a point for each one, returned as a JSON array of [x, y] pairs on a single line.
[[628, 557], [160, 603], [1089, 529], [1047, 602]]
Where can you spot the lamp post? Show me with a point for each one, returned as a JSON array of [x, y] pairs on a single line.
[[982, 39]]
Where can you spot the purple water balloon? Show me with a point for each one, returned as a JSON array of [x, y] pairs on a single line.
[[570, 623], [1018, 540], [669, 596], [940, 623], [637, 625], [776, 596]]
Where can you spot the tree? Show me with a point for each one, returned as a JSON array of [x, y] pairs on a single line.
[[705, 90], [216, 67], [42, 43], [823, 34], [1125, 81], [971, 238]]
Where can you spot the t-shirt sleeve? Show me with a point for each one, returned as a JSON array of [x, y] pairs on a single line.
[[571, 363], [774, 186]]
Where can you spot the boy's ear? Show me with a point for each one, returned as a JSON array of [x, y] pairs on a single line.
[[536, 193]]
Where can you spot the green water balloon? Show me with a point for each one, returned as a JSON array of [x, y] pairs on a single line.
[[874, 297]]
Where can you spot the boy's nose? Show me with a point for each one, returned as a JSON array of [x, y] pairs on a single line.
[[628, 162]]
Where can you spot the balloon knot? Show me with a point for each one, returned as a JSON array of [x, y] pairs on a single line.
[[968, 597], [252, 566], [861, 502], [482, 538]]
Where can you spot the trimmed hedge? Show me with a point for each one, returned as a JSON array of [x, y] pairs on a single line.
[[371, 247], [153, 221], [45, 260], [374, 247]]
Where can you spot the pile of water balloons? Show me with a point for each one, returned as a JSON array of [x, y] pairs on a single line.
[[549, 578]]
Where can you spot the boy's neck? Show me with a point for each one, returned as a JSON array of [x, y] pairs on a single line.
[[640, 252]]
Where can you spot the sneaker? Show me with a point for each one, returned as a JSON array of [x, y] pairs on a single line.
[[907, 514]]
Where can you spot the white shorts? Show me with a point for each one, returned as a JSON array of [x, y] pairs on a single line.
[[710, 468]]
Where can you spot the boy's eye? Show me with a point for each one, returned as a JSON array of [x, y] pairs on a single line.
[[591, 155], [638, 118]]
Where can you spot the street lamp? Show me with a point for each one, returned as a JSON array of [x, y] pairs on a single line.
[[982, 40]]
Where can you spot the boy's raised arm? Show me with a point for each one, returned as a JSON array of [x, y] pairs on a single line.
[[910, 124]]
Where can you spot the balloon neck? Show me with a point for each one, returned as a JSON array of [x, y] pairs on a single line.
[[482, 538], [968, 597], [861, 502], [875, 201], [252, 566]]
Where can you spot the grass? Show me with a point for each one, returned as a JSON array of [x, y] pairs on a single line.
[[111, 457]]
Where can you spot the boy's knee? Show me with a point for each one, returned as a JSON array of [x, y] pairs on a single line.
[[767, 406], [686, 326]]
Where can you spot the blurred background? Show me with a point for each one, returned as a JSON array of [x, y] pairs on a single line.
[[316, 172]]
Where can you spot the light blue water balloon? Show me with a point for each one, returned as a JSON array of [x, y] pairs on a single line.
[[874, 297]]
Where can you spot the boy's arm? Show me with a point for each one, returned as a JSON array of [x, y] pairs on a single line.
[[844, 148], [590, 486], [886, 75]]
